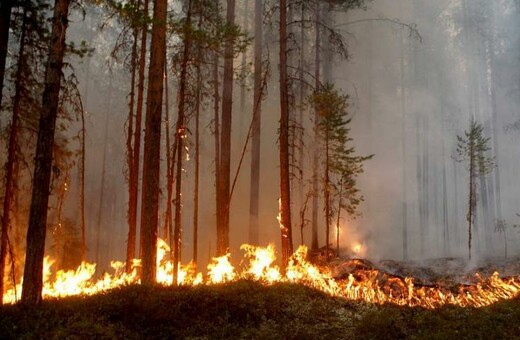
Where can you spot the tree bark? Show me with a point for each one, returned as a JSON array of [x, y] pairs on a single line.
[[5, 22], [130, 133], [285, 183], [225, 140], [181, 134], [170, 154], [326, 193], [101, 208], [134, 174], [198, 99], [33, 280], [12, 158], [315, 159], [257, 114], [152, 143]]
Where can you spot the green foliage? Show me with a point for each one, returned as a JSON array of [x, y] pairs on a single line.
[[345, 166], [473, 148]]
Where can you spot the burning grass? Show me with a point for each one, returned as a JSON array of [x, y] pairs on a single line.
[[251, 310], [361, 282]]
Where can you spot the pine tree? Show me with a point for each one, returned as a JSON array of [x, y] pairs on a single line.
[[472, 148], [341, 165]]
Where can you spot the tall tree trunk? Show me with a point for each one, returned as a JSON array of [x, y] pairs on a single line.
[[403, 151], [340, 203], [101, 209], [10, 166], [315, 161], [301, 134], [216, 128], [152, 143], [257, 117], [198, 104], [181, 134], [134, 174], [472, 199], [33, 280], [5, 22], [225, 140], [82, 189], [130, 131], [285, 189], [243, 71], [170, 154], [326, 194]]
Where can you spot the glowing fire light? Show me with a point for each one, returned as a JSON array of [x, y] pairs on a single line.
[[356, 248], [259, 264]]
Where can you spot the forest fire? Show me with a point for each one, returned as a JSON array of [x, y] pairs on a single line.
[[366, 285]]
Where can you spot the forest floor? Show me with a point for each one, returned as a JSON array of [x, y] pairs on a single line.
[[248, 310]]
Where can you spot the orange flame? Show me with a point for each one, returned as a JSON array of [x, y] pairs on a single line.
[[367, 285]]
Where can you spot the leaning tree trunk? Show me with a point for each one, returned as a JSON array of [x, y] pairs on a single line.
[[33, 280], [5, 22], [10, 177], [257, 114], [152, 143], [285, 185], [225, 140]]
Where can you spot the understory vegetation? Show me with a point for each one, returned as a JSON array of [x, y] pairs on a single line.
[[248, 310]]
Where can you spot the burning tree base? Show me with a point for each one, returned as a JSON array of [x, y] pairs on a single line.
[[359, 281]]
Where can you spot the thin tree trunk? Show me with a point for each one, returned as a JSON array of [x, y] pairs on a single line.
[[225, 140], [82, 189], [33, 280], [315, 161], [243, 71], [101, 208], [301, 111], [152, 143], [257, 117], [326, 193], [169, 160], [5, 22], [198, 100], [130, 132], [403, 151], [216, 122], [10, 166], [472, 201], [180, 130], [134, 174], [285, 189], [340, 202]]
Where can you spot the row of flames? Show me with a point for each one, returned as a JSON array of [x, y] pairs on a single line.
[[260, 266]]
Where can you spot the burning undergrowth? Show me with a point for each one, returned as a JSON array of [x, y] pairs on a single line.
[[358, 280]]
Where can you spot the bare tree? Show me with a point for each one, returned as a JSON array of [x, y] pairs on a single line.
[[152, 144], [257, 114], [33, 280], [223, 187], [285, 181]]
